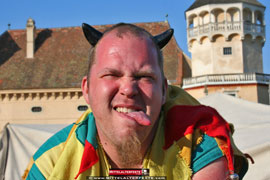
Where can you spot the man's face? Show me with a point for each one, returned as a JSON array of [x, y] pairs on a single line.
[[125, 89]]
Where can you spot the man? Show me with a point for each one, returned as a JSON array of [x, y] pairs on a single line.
[[137, 120]]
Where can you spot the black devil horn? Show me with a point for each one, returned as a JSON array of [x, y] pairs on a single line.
[[163, 38], [92, 35]]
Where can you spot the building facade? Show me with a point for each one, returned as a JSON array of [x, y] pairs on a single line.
[[41, 72], [225, 38]]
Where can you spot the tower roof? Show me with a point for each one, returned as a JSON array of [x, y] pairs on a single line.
[[199, 3]]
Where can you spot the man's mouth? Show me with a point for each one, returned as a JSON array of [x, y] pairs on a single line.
[[136, 114]]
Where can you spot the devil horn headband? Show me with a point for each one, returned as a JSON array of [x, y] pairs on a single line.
[[92, 35]]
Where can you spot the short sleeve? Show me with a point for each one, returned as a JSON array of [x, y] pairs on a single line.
[[205, 153]]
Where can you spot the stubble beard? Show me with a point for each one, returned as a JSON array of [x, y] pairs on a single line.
[[129, 151], [128, 148]]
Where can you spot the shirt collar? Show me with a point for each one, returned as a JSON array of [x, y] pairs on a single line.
[[86, 134]]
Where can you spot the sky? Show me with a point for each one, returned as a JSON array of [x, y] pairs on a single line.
[[69, 13]]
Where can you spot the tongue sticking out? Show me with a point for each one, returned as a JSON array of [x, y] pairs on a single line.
[[140, 117]]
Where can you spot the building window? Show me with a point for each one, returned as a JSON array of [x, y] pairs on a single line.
[[227, 51], [233, 93], [36, 109], [82, 108]]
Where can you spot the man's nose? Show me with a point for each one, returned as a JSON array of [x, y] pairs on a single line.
[[129, 88]]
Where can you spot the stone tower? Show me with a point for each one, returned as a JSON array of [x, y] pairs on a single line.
[[226, 36]]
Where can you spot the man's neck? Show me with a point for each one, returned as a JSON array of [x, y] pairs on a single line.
[[114, 154]]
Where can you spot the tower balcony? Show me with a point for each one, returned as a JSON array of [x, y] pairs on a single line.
[[226, 29], [223, 79]]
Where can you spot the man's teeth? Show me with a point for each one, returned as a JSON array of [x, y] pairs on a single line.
[[124, 110]]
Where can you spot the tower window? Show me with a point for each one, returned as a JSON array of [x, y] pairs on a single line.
[[233, 93], [227, 50], [36, 109]]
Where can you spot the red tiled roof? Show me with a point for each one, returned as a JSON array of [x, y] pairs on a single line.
[[61, 55]]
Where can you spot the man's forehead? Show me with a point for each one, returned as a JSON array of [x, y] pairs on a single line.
[[113, 39], [121, 34], [128, 28], [125, 47]]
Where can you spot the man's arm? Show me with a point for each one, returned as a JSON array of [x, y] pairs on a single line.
[[217, 170]]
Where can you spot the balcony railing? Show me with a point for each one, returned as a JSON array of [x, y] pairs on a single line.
[[218, 79], [254, 28], [225, 27], [233, 26]]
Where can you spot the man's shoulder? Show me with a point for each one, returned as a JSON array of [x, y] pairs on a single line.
[[57, 147], [58, 141], [182, 120], [206, 134], [47, 155], [54, 141]]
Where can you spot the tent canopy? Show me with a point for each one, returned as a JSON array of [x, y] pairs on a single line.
[[252, 125]]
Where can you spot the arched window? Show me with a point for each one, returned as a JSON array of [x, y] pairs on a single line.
[[259, 18], [192, 21], [218, 15], [247, 15]]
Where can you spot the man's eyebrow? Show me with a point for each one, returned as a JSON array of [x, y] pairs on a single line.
[[108, 70], [117, 72], [146, 73]]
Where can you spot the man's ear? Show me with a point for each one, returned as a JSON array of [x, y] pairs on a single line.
[[165, 87], [85, 89]]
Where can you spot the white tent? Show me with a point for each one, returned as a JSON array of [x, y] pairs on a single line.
[[252, 130], [252, 135], [18, 143]]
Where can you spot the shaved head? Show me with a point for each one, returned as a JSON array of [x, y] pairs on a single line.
[[119, 30]]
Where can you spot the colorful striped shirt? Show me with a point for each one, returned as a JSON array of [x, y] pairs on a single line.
[[188, 138]]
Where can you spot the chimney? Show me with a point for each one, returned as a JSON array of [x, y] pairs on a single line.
[[30, 38]]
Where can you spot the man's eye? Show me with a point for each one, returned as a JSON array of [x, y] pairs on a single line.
[[148, 78], [110, 76]]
